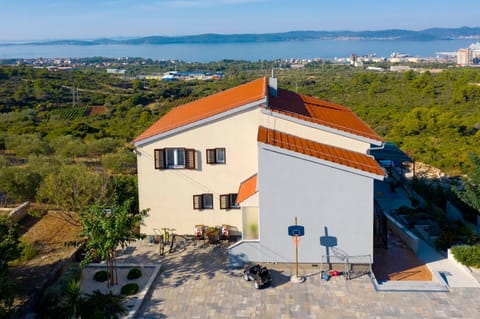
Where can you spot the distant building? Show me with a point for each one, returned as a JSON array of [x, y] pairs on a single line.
[[116, 71], [400, 68], [465, 57]]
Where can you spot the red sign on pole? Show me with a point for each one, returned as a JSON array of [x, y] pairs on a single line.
[[296, 240]]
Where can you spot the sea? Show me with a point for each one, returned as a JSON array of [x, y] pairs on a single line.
[[208, 52]]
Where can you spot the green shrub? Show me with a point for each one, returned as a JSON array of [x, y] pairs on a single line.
[[53, 303], [101, 276], [134, 274], [27, 252], [99, 305], [129, 289], [467, 255]]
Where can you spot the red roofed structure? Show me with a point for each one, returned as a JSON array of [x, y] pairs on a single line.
[[254, 157]]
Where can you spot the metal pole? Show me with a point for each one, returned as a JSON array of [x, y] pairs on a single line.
[[296, 251]]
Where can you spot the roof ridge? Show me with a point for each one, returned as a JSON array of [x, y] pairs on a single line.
[[327, 123]]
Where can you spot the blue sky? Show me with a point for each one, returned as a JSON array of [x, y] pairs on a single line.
[[86, 19]]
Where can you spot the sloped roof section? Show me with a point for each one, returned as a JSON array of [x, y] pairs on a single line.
[[247, 188], [321, 112], [325, 152], [207, 107]]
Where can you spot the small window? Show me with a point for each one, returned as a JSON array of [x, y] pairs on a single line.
[[166, 158], [203, 201], [216, 156], [228, 201]]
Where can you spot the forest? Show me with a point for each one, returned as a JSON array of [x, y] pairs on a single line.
[[81, 122]]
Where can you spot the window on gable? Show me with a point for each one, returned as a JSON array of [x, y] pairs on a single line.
[[216, 156], [228, 201], [203, 201], [165, 158]]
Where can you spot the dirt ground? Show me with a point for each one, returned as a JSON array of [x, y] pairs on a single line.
[[48, 235]]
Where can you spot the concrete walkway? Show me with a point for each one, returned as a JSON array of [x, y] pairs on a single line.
[[199, 284], [452, 274]]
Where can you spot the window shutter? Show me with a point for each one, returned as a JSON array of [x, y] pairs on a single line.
[[224, 201], [159, 158], [190, 158], [210, 156], [197, 201]]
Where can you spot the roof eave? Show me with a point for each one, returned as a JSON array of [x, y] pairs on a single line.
[[198, 123]]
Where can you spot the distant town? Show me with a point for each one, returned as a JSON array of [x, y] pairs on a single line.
[[396, 62]]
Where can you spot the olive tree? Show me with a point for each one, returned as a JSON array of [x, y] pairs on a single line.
[[72, 188]]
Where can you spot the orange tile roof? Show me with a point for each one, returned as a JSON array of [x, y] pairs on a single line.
[[322, 151], [288, 103], [247, 188], [325, 113], [208, 106]]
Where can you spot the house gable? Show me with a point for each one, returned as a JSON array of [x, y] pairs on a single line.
[[249, 94]]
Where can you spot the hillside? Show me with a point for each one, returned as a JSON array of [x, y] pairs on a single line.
[[391, 34]]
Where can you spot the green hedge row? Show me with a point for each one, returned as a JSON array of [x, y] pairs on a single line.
[[467, 255]]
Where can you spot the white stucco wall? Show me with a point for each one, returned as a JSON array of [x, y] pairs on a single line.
[[169, 193], [324, 199]]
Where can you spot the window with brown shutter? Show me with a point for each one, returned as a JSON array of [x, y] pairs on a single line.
[[197, 201], [228, 201], [190, 158], [159, 158], [211, 156], [174, 157], [203, 201], [216, 156]]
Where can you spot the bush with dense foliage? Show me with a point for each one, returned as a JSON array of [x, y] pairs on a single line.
[[129, 289], [53, 303], [467, 255], [134, 274], [8, 251], [101, 276], [98, 305]]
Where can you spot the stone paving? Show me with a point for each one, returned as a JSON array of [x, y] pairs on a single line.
[[198, 283]]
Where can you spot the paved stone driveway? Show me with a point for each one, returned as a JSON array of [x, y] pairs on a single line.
[[199, 284]]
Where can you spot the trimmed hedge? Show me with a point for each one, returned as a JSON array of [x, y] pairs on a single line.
[[101, 276], [467, 255], [134, 274], [129, 289]]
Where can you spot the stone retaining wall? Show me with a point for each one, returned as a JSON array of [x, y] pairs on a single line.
[[18, 213]]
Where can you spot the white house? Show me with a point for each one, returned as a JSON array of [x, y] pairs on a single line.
[[255, 157]]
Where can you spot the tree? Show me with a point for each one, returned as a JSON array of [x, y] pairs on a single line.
[[9, 251], [20, 183], [106, 228], [470, 193], [73, 188]]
